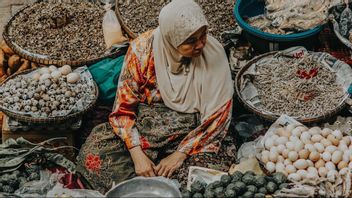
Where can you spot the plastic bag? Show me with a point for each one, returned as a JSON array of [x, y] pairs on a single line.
[[59, 191], [112, 28]]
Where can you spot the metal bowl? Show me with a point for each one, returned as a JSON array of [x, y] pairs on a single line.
[[145, 187]]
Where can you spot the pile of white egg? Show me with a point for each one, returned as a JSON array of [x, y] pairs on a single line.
[[303, 153]]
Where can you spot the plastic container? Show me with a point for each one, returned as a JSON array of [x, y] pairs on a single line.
[[266, 42]]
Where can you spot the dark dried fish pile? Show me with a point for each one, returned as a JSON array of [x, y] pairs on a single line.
[[60, 30], [291, 16], [142, 15], [297, 87]]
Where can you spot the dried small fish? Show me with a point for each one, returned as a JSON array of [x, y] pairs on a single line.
[[62, 30]]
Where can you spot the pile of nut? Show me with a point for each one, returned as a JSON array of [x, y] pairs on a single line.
[[46, 92], [141, 16], [61, 30]]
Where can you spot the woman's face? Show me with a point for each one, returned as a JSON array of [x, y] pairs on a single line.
[[194, 45]]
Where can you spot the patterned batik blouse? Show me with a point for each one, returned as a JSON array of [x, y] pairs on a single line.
[[138, 84]]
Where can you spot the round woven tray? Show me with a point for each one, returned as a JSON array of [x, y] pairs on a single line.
[[124, 26], [272, 118], [48, 120], [40, 59]]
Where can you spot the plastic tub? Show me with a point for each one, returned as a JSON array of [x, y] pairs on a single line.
[[266, 42]]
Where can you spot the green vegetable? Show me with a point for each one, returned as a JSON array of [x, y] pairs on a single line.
[[268, 178], [236, 176], [229, 193], [186, 194], [225, 180], [197, 195], [271, 187], [284, 185], [262, 190], [260, 181], [210, 186], [209, 193], [197, 187], [217, 184], [248, 194], [8, 189], [231, 186], [240, 187], [279, 178], [259, 195], [248, 179], [249, 173], [252, 188], [219, 192]]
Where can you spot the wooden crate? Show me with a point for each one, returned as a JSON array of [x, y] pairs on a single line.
[[42, 135]]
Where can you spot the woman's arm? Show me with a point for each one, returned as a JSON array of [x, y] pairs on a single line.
[[123, 118]]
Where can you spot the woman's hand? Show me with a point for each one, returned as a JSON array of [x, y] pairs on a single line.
[[168, 165], [143, 166]]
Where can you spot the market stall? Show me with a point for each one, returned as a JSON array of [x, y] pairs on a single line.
[[290, 133]]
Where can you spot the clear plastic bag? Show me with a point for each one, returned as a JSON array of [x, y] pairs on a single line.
[[112, 28]]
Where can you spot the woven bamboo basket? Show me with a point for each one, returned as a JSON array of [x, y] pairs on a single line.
[[274, 117], [48, 120], [41, 59], [124, 26]]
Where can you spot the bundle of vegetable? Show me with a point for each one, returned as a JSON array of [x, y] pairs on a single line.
[[308, 155], [18, 156], [245, 185], [11, 63]]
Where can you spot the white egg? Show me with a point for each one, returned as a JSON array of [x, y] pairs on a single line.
[[274, 137], [73, 78], [301, 164], [323, 171], [314, 130], [281, 140], [290, 146], [338, 135], [290, 127], [299, 146], [316, 138], [293, 156], [342, 146], [305, 137], [294, 139], [346, 156], [281, 148], [330, 166], [326, 156], [45, 76], [347, 140], [302, 128], [273, 157], [280, 159], [287, 162], [336, 157], [326, 142], [65, 70], [326, 131], [44, 70], [294, 177], [273, 149], [265, 156], [312, 176], [270, 166], [332, 175], [283, 133], [312, 170], [290, 169], [279, 167], [331, 149], [343, 171], [319, 147], [310, 163], [36, 76], [350, 165], [310, 147], [302, 173], [285, 153], [52, 68], [56, 74], [296, 132], [268, 143]]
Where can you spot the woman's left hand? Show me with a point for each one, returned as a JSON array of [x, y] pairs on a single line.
[[168, 165]]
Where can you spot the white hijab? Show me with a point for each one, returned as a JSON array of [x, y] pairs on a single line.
[[207, 85]]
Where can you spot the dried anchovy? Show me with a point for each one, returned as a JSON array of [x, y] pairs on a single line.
[[278, 86], [142, 15], [60, 30]]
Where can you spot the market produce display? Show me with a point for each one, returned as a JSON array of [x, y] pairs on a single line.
[[141, 16], [60, 30], [239, 184], [287, 16], [11, 63], [47, 92], [308, 155]]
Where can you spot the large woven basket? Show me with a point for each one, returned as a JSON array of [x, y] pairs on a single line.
[[47, 61], [48, 120], [124, 26], [272, 118]]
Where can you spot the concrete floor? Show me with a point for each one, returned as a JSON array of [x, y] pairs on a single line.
[[8, 8]]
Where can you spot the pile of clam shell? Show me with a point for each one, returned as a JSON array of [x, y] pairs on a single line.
[[46, 92]]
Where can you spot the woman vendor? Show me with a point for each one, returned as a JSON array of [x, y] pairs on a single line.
[[173, 102]]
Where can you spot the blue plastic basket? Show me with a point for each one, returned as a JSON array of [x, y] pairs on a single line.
[[265, 42]]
